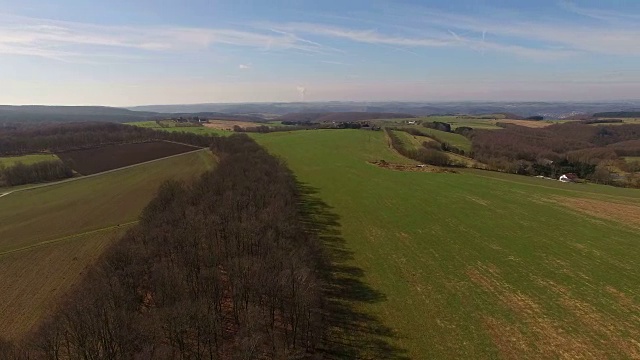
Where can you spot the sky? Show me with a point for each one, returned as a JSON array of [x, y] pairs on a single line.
[[126, 53]]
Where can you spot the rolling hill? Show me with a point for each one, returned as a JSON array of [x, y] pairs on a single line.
[[49, 236], [470, 265]]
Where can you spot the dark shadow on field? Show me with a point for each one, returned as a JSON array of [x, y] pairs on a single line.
[[351, 333]]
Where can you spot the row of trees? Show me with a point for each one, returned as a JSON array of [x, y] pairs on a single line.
[[63, 137], [426, 154], [20, 174], [263, 129], [221, 268], [437, 125], [557, 149], [437, 144]]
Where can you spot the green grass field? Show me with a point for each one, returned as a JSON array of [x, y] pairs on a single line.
[[476, 123], [625, 121], [474, 265], [408, 141], [9, 161], [50, 235], [489, 122], [456, 140], [200, 130]]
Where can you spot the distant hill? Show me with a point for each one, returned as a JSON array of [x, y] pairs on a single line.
[[257, 112], [324, 117], [618, 114], [47, 114], [36, 113], [550, 110]]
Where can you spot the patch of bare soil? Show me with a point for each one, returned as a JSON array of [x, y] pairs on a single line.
[[109, 157], [414, 168], [534, 333], [624, 213], [527, 123], [229, 124], [610, 332]]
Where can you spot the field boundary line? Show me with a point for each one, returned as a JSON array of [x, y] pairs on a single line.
[[101, 173], [68, 237], [630, 199]]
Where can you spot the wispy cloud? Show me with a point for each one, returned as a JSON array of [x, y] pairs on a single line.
[[610, 33], [438, 38], [404, 29], [363, 36], [599, 14], [330, 62], [244, 66], [66, 40]]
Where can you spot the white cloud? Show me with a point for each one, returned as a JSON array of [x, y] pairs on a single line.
[[244, 66], [598, 14], [363, 36], [438, 38], [607, 32], [64, 40], [405, 28], [615, 36]]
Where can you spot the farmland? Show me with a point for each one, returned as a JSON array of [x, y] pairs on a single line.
[[229, 124], [474, 264], [199, 130], [50, 235], [104, 158], [26, 159], [456, 140]]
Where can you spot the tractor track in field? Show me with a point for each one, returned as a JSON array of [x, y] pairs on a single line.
[[97, 174], [68, 237]]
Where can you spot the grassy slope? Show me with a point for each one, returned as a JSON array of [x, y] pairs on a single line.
[[476, 266], [88, 204], [9, 161], [456, 140], [406, 139], [456, 122], [200, 130], [32, 281], [48, 238]]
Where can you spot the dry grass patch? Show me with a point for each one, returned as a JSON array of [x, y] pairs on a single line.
[[413, 168], [33, 281], [229, 124], [535, 333], [627, 214], [526, 123]]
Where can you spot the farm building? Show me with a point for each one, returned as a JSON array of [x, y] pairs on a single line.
[[570, 177]]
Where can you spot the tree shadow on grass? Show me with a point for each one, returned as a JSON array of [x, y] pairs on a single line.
[[351, 332]]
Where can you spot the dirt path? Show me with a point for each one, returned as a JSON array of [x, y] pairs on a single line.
[[98, 174], [68, 237]]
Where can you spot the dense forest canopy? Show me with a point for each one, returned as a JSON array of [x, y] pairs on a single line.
[[35, 114], [571, 147], [327, 117], [63, 137], [224, 267]]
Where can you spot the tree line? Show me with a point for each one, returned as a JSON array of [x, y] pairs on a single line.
[[426, 154], [20, 174], [58, 138], [63, 137], [224, 267], [556, 149]]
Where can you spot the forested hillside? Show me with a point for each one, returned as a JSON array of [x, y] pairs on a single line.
[[224, 267], [64, 137], [583, 149]]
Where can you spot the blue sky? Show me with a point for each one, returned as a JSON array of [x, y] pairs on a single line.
[[193, 51]]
